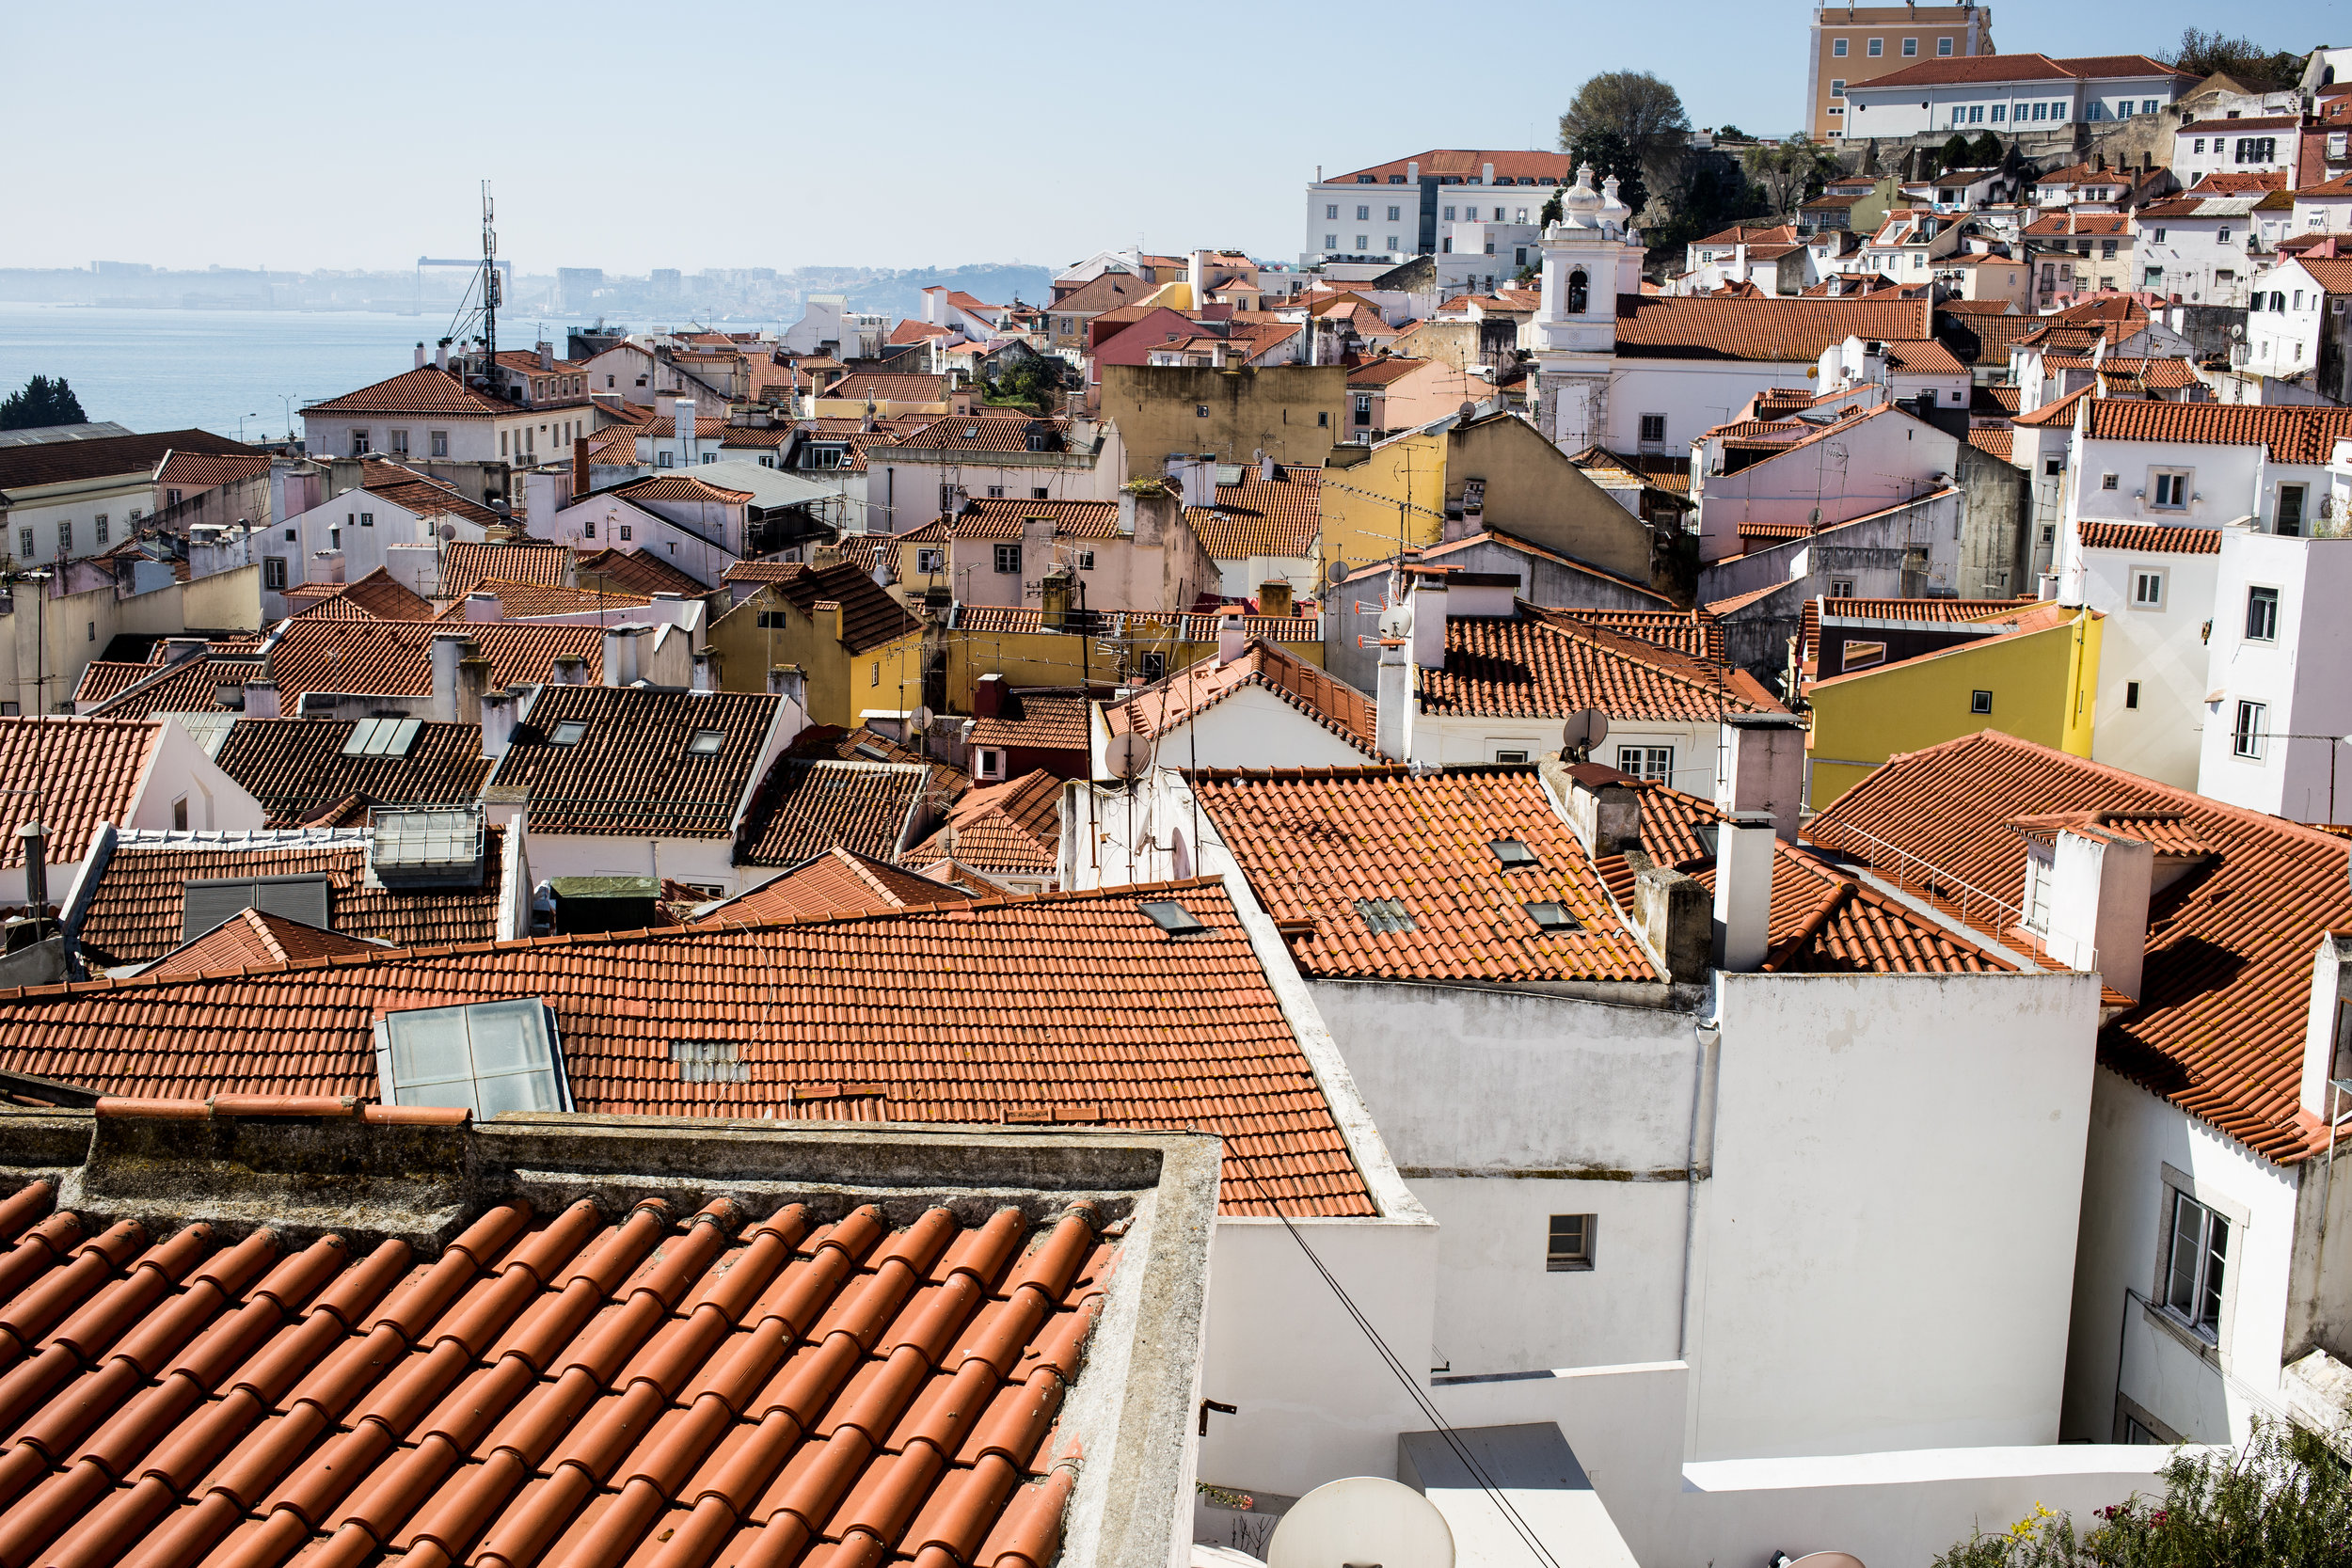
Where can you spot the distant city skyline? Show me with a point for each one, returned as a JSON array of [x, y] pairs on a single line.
[[337, 144]]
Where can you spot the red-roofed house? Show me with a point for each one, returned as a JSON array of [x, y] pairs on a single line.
[[2258, 143], [2009, 94]]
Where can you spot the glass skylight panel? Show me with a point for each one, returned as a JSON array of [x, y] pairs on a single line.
[[487, 1057], [1383, 916], [1553, 917], [568, 732], [1512, 853], [1176, 920], [706, 743]]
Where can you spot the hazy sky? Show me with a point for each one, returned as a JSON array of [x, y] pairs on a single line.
[[898, 135]]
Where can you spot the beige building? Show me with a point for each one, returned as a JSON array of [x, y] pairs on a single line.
[[1291, 413], [1852, 45]]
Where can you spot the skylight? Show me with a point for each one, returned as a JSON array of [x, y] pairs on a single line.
[[389, 736], [1176, 920], [568, 732], [1553, 917], [706, 743], [1382, 916], [1512, 853], [487, 1057]]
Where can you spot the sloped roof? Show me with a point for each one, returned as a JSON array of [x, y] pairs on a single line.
[[1037, 720], [633, 571], [678, 487], [1013, 826], [1538, 663], [2149, 538], [1194, 689], [2291, 434], [135, 913], [1963, 69], [1256, 516], [807, 805], [26, 464], [838, 881], [630, 772], [519, 601], [430, 390], [294, 767], [464, 564], [1469, 162], [1006, 520], [394, 658], [69, 775], [190, 470], [2225, 993], [980, 432], [1788, 330], [378, 595], [250, 939], [143, 690], [871, 617], [884, 388]]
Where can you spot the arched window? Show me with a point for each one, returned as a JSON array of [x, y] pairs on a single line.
[[1576, 292]]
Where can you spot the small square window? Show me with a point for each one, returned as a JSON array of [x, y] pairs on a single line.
[[2107, 482], [2262, 615], [1383, 916], [1877, 47], [1511, 852], [568, 732], [706, 743], [1008, 558], [2052, 466], [1910, 48], [1837, 48], [1549, 915], [1980, 701], [1569, 1245], [1201, 411], [2147, 588], [1654, 428], [1943, 46]]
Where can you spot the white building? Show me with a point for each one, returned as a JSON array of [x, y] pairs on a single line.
[[2278, 708], [2009, 94], [2154, 583], [1253, 705], [343, 538], [2195, 247], [1392, 212], [828, 325], [2262, 144], [2290, 317], [430, 415]]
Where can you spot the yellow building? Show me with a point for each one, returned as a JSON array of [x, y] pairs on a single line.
[[1292, 413], [842, 646], [1498, 472], [1113, 648], [2031, 672]]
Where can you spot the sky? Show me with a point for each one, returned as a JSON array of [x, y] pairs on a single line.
[[906, 135]]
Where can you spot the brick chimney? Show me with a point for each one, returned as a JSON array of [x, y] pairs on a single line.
[[988, 696]]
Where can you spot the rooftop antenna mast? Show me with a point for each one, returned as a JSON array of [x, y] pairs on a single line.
[[489, 282]]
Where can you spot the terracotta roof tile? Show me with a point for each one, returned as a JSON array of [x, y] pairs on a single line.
[[2291, 434], [634, 572], [378, 595], [1015, 620], [621, 760], [1014, 827], [294, 767], [1545, 663], [192, 470], [1004, 519], [69, 775], [394, 658], [1193, 690], [982, 433], [1039, 721], [2153, 538], [1694, 632], [465, 565], [251, 939], [2219, 1028], [429, 391], [926, 1015], [1256, 516], [1665, 326], [1362, 853], [871, 617], [678, 487], [144, 690], [839, 882], [24, 466], [808, 805], [519, 601], [881, 388], [137, 912], [1997, 443]]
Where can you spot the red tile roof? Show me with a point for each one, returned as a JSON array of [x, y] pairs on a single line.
[[1279, 517], [1470, 162], [520, 601], [634, 572], [394, 658], [1919, 612], [808, 805], [2020, 67], [2226, 991], [982, 432], [69, 775], [889, 388], [2149, 538], [187, 686], [1011, 827], [587, 1379], [378, 595], [925, 1015], [988, 620], [1348, 849], [2291, 434], [1694, 632], [679, 488], [871, 617], [464, 564], [135, 913], [28, 464], [1545, 663], [250, 939], [1037, 720], [2058, 411], [429, 391], [191, 470], [839, 882], [1666, 327], [1004, 519], [1193, 690], [294, 767], [1996, 442], [630, 772]]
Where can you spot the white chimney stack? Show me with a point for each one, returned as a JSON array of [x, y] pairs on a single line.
[[1429, 614], [1393, 725], [482, 606], [498, 723], [260, 699], [682, 412], [1233, 637], [1763, 768], [419, 356], [2099, 888], [1744, 891], [447, 649]]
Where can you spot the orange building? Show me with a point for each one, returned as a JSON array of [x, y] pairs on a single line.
[[1860, 43]]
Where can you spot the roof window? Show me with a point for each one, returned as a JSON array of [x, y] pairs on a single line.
[[487, 1057], [1385, 917], [1553, 917], [568, 732], [1512, 853], [706, 743], [390, 736], [1176, 920]]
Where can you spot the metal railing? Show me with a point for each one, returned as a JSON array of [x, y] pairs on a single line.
[[1936, 885]]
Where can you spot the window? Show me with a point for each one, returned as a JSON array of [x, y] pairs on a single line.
[[1511, 754], [989, 763], [2131, 693], [2197, 145], [1363, 242], [2106, 250], [106, 529], [171, 498], [274, 571], [2107, 482], [2171, 489], [568, 732], [367, 519], [359, 442], [1331, 210], [400, 443], [2222, 236], [1943, 46], [1980, 701], [1395, 213], [1861, 655], [2153, 278], [1392, 245], [2256, 150], [1449, 214], [2000, 113], [996, 492], [90, 635], [1323, 419], [875, 678], [589, 528], [1362, 214], [1569, 1245], [1837, 87], [1654, 428], [2196, 1260], [1876, 48], [488, 1057], [1837, 48], [2052, 466], [65, 536], [24, 544], [179, 814], [2147, 588], [439, 440], [928, 561], [1201, 411], [2247, 734], [1910, 48], [2262, 615], [1654, 763], [1009, 557], [1086, 561], [1841, 587], [2288, 519], [706, 743], [627, 533], [1383, 916]]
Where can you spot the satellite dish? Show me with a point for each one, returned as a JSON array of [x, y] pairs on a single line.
[[1336, 572], [920, 721], [1361, 1519], [1585, 730], [1125, 756], [1827, 1559], [1396, 621], [448, 532]]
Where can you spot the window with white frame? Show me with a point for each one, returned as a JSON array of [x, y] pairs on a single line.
[[2168, 489], [1837, 48], [2286, 519], [1654, 428], [1653, 763], [2148, 587], [485, 1057], [1875, 48], [2262, 615], [2196, 1265], [2252, 730], [1911, 49], [1943, 47], [988, 762]]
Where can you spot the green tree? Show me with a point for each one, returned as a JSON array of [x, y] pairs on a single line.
[[1986, 151], [2283, 1498], [1611, 153], [1732, 133], [2203, 54], [1033, 384], [1788, 174], [1642, 113], [1954, 154], [1551, 214], [42, 402]]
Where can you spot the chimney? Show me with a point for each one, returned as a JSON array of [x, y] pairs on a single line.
[[1763, 768], [579, 469], [1429, 613], [682, 414], [473, 684], [570, 670], [498, 723], [420, 356], [440, 354], [827, 614], [35, 840], [1265, 460], [2098, 903], [1053, 592], [1194, 477], [620, 656], [1196, 277], [482, 605], [1485, 174], [1274, 596], [260, 699], [546, 355], [789, 681], [1412, 172], [988, 696], [448, 648], [178, 649], [707, 666], [1743, 891], [1603, 807], [1232, 636], [1392, 726]]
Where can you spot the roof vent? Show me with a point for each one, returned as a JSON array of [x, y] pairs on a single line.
[[427, 847], [1385, 917], [1553, 917], [1176, 920], [390, 736], [1512, 853]]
